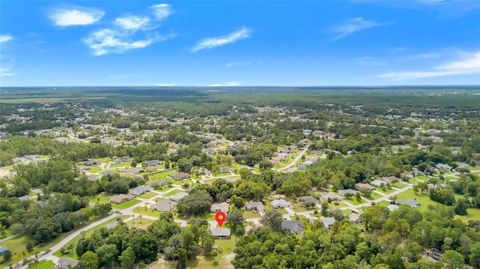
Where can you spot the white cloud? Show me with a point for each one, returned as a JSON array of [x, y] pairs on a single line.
[[214, 42], [132, 22], [6, 72], [421, 56], [352, 26], [228, 84], [161, 11], [233, 64], [5, 38], [107, 40], [165, 84], [466, 66], [75, 16]]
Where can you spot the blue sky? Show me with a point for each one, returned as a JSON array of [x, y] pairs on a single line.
[[230, 43]]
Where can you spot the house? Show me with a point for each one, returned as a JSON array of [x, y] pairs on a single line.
[[225, 170], [177, 196], [327, 221], [410, 202], [159, 183], [139, 190], [293, 226], [305, 165], [392, 207], [310, 201], [442, 166], [66, 263], [330, 196], [220, 233], [354, 218], [347, 192], [216, 207], [91, 163], [180, 176], [256, 206], [363, 187], [390, 179], [24, 198], [150, 163], [377, 183], [280, 203], [163, 206], [133, 170], [3, 250], [123, 159], [117, 199]]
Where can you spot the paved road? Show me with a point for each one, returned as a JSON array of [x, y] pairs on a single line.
[[295, 160]]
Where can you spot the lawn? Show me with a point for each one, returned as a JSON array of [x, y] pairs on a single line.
[[148, 195], [95, 169], [399, 185], [173, 192], [375, 195], [422, 198], [119, 165], [147, 211], [99, 199], [162, 175], [336, 204], [384, 191], [140, 222], [126, 204], [42, 265], [473, 214], [251, 214], [354, 201], [298, 208]]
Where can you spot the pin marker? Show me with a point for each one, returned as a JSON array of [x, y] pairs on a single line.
[[220, 218]]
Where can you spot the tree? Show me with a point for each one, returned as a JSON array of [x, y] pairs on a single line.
[[127, 259], [107, 255], [89, 260], [453, 259], [208, 245], [461, 207], [272, 219], [196, 203]]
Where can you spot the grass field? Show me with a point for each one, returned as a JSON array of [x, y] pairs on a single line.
[[173, 192], [473, 214], [251, 214], [355, 201], [95, 169], [99, 199], [42, 265], [147, 211], [147, 195], [384, 191], [422, 198], [126, 204], [162, 175]]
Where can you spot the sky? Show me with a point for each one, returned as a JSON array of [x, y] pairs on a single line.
[[239, 43]]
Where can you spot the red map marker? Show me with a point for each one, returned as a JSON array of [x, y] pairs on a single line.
[[220, 217]]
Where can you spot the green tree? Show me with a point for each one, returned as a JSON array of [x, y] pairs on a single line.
[[89, 260], [127, 259], [453, 259]]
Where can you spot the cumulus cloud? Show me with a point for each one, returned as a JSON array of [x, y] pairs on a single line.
[[352, 26], [64, 17], [468, 65], [132, 22], [107, 40], [5, 38], [214, 42], [161, 11]]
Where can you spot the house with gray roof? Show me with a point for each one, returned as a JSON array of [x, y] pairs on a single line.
[[66, 263], [150, 163], [220, 233], [293, 226], [254, 206], [139, 190], [392, 207], [177, 196], [216, 207], [280, 203], [377, 183], [410, 202], [327, 221], [163, 206], [310, 201], [91, 163], [347, 192], [180, 176], [354, 218]]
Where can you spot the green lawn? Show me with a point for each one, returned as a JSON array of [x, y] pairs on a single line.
[[399, 185], [119, 165], [422, 198], [126, 204], [354, 201], [298, 208], [384, 191], [147, 195], [42, 265], [95, 169], [473, 214], [336, 204], [99, 199], [162, 175], [173, 192], [147, 211], [374, 196], [251, 214]]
